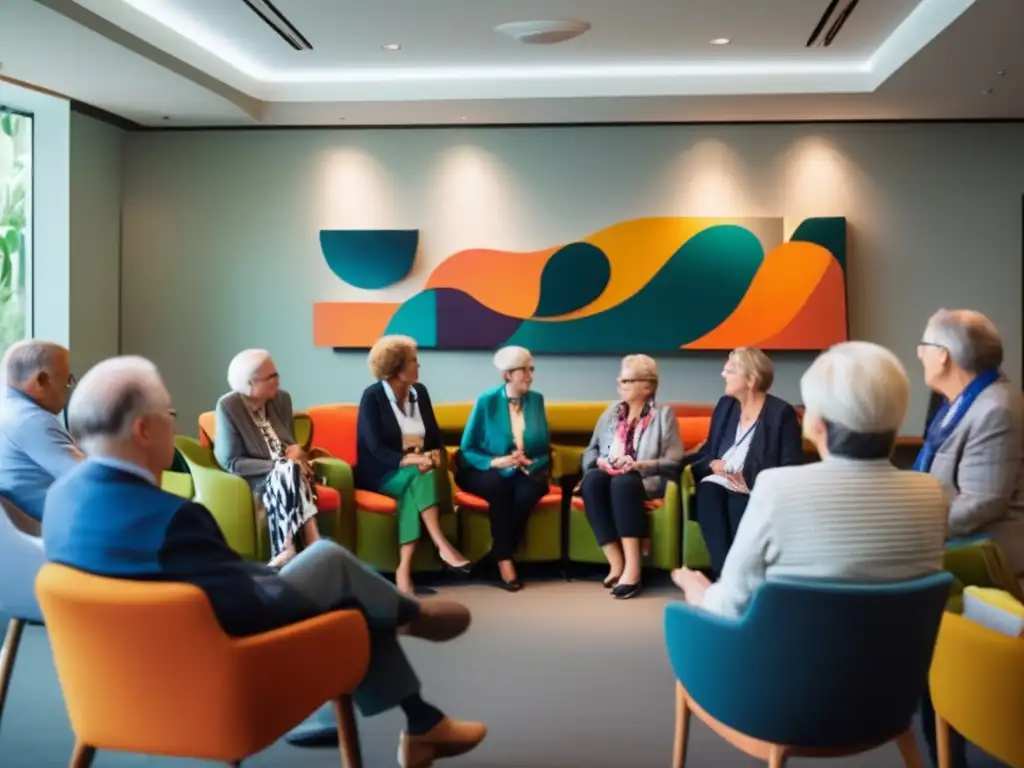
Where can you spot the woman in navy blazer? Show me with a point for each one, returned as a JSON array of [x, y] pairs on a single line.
[[750, 431], [505, 454], [398, 452]]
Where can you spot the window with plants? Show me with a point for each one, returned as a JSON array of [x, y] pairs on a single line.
[[15, 229]]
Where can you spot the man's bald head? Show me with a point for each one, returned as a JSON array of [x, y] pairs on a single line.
[[39, 369], [121, 408]]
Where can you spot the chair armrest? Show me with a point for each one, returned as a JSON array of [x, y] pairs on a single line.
[[229, 499], [329, 653]]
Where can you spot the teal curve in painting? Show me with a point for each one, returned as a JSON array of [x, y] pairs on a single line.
[[827, 231], [417, 317], [693, 293], [370, 258], [574, 276]]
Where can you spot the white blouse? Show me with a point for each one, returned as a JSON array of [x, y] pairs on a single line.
[[410, 418], [735, 458], [518, 421]]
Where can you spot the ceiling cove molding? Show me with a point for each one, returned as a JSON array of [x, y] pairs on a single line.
[[70, 9], [680, 78]]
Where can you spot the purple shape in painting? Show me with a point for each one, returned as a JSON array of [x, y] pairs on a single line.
[[465, 323]]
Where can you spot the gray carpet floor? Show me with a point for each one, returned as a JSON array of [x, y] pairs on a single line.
[[563, 675]]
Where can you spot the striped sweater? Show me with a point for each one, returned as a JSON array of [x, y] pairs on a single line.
[[838, 519]]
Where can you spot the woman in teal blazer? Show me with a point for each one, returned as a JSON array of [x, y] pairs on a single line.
[[505, 456]]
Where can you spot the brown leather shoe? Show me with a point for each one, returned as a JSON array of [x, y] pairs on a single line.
[[446, 739], [438, 621]]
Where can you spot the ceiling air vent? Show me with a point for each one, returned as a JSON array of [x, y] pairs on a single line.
[[278, 22], [837, 12], [543, 32]]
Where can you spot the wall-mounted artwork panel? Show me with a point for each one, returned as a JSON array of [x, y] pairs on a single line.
[[652, 284]]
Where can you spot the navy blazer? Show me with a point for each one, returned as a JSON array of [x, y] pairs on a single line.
[[777, 441], [379, 436]]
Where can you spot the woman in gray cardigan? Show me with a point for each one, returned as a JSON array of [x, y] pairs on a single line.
[[254, 441], [635, 447]]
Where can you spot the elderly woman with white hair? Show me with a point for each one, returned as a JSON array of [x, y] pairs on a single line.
[[635, 449], [504, 456], [811, 521], [974, 445], [750, 431], [399, 453], [254, 440]]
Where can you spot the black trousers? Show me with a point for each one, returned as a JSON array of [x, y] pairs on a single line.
[[614, 505], [511, 500], [719, 512]]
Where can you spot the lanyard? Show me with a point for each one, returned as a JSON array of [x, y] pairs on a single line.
[[746, 434]]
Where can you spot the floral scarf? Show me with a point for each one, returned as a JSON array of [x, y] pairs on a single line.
[[626, 433]]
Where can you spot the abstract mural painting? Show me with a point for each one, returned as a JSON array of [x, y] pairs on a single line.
[[653, 284]]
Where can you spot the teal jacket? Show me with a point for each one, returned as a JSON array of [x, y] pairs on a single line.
[[488, 432]]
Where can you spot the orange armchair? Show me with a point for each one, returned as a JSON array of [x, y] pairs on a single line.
[[145, 667]]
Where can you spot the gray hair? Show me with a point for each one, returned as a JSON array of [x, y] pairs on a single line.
[[858, 385], [25, 359], [644, 367], [243, 368], [112, 395], [971, 338], [509, 358]]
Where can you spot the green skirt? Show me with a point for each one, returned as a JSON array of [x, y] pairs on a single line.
[[415, 492]]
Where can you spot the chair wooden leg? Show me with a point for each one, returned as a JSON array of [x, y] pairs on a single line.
[[83, 756], [907, 742], [942, 741], [682, 727], [348, 733], [7, 654], [776, 756]]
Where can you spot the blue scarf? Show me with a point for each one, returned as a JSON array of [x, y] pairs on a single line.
[[940, 429]]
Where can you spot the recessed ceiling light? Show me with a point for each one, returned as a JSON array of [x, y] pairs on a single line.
[[543, 32], [720, 41], [1001, 73], [462, 118], [989, 91], [392, 47]]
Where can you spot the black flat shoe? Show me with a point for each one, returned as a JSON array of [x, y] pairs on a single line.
[[626, 591], [510, 586], [458, 570], [610, 582]]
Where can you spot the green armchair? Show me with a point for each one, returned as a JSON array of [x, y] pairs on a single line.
[[695, 550], [230, 500]]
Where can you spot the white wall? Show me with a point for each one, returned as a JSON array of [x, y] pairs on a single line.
[[50, 268], [220, 235], [95, 299]]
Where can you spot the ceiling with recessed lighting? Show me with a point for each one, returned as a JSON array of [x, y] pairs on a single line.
[[353, 62]]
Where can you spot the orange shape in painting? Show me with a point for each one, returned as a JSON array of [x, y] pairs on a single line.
[[788, 277], [503, 281], [821, 321], [351, 324]]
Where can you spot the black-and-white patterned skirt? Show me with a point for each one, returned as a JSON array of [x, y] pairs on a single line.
[[290, 501]]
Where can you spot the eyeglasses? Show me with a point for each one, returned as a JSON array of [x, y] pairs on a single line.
[[524, 368], [931, 344], [634, 381], [271, 377]]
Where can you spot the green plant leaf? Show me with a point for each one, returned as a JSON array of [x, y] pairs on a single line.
[[13, 238], [7, 124], [6, 270]]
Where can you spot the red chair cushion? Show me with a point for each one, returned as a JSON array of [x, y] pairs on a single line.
[[327, 499], [368, 501], [466, 499]]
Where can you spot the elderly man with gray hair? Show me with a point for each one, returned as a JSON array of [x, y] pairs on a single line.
[[811, 521], [35, 449], [110, 517], [974, 445]]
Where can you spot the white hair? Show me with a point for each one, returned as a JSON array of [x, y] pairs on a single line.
[[509, 358], [243, 369], [25, 359], [971, 338], [858, 385], [111, 396]]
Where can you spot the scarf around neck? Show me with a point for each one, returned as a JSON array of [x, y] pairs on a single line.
[[942, 427], [628, 433]]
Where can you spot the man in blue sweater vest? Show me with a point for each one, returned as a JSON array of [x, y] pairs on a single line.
[[109, 516]]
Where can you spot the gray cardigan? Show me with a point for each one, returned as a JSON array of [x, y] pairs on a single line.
[[238, 445], [981, 466], [659, 442]]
